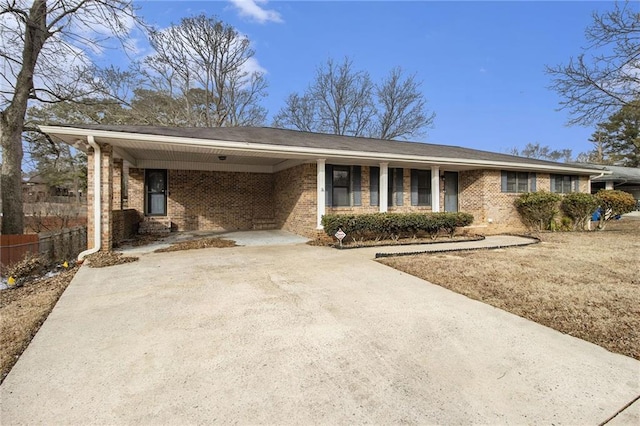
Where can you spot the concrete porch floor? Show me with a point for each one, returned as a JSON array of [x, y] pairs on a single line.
[[274, 237]]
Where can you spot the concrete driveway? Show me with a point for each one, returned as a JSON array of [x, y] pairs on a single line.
[[299, 334]]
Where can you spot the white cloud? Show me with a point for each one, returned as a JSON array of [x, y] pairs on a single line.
[[252, 66], [254, 10]]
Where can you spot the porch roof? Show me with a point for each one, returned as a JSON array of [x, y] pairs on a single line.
[[265, 149], [618, 174]]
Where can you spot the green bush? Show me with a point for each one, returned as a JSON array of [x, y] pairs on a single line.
[[538, 209], [579, 207], [613, 203], [395, 225]]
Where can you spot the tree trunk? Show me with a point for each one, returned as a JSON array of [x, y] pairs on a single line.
[[12, 120], [12, 213]]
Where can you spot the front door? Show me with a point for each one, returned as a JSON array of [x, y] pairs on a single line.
[[156, 192], [450, 191]]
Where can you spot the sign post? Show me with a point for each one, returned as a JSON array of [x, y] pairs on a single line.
[[340, 235]]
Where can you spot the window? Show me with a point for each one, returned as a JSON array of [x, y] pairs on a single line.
[[563, 184], [342, 186], [395, 187], [374, 186], [518, 182], [420, 187]]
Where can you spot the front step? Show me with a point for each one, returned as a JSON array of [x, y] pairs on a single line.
[[155, 225], [264, 224]]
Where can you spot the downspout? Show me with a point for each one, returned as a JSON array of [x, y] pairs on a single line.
[[97, 177]]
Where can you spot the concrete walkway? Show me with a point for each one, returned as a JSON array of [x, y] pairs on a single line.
[[490, 242], [297, 334]]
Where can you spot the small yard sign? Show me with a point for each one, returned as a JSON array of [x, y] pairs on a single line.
[[340, 235]]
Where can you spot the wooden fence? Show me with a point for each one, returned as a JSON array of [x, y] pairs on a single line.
[[56, 246], [13, 248]]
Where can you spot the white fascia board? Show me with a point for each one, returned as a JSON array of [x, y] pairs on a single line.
[[313, 153]]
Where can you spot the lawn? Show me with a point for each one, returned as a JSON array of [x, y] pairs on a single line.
[[586, 284], [23, 310]]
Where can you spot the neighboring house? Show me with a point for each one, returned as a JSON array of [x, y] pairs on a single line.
[[258, 178], [37, 189], [622, 178]]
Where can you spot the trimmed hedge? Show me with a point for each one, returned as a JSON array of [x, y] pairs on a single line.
[[395, 225], [579, 206], [538, 209], [613, 203]]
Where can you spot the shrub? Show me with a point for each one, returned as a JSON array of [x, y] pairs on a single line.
[[579, 206], [395, 225], [538, 209], [613, 203]]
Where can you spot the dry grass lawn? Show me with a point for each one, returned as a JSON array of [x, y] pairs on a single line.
[[586, 284], [23, 310]]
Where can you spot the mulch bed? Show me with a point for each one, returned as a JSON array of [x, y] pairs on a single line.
[[198, 244], [103, 259]]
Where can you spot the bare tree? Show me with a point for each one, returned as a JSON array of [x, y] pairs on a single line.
[[206, 64], [606, 76], [542, 152], [403, 111], [343, 98], [43, 58], [345, 101]]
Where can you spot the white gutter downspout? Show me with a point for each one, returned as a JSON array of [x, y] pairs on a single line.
[[97, 160]]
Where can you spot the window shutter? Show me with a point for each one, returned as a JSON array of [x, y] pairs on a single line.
[[399, 186], [328, 185], [356, 184], [374, 186], [532, 182], [503, 181], [414, 187], [575, 180], [552, 178]]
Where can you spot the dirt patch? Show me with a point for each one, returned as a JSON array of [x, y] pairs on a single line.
[[586, 284], [23, 310], [198, 244], [103, 259], [142, 240]]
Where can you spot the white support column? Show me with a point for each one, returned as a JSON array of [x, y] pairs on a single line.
[[384, 187], [320, 177], [435, 188]]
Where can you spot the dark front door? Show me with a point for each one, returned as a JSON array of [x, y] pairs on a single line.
[[156, 192], [450, 191]]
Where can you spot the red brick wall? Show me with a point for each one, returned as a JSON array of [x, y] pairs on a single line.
[[493, 210], [116, 195], [208, 200], [231, 201], [295, 199], [106, 168], [124, 225]]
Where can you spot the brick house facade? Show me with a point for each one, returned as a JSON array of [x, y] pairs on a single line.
[[231, 179]]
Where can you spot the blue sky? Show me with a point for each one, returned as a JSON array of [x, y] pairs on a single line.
[[481, 63]]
